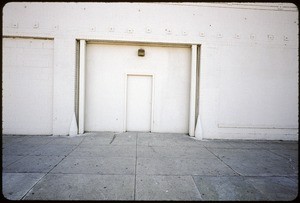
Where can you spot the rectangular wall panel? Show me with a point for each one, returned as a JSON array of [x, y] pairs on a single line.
[[27, 86]]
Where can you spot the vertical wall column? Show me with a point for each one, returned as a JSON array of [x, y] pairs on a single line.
[[193, 91], [63, 84], [81, 86], [198, 130]]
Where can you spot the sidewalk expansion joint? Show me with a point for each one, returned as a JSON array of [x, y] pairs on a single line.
[[135, 168], [224, 162]]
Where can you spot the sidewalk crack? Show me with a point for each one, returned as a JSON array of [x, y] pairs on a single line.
[[115, 135]]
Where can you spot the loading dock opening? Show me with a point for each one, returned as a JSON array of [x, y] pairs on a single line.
[[103, 76]]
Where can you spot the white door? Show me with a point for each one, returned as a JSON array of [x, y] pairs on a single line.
[[139, 102]]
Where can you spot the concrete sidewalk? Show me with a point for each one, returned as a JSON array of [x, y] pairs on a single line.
[[147, 166]]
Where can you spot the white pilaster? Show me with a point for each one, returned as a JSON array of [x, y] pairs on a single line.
[[81, 87], [193, 91]]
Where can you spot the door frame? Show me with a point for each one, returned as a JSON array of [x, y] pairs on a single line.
[[125, 98], [194, 115]]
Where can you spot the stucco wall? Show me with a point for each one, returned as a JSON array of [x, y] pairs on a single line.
[[248, 63]]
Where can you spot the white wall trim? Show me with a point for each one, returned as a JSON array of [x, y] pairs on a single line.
[[81, 111], [199, 130], [193, 91], [223, 125]]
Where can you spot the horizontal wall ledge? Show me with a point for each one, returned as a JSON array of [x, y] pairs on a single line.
[[256, 126], [27, 37]]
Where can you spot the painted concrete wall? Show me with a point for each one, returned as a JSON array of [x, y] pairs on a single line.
[[27, 86], [249, 56]]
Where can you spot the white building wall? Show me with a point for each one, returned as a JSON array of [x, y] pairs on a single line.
[[248, 64], [27, 86], [63, 84]]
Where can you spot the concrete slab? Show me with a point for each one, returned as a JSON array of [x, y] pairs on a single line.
[[127, 138], [250, 162], [93, 139], [67, 140], [16, 185], [243, 144], [275, 188], [37, 140], [33, 164], [54, 150], [295, 179], [97, 165], [12, 139], [83, 187], [268, 169], [215, 144], [166, 188], [166, 135], [277, 144], [174, 151], [182, 166], [19, 149], [233, 188], [146, 139], [291, 155], [104, 151], [9, 159], [98, 134]]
